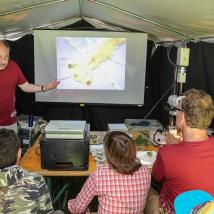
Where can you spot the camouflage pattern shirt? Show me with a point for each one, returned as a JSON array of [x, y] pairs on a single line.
[[22, 192]]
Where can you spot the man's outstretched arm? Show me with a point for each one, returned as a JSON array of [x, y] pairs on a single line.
[[31, 88]]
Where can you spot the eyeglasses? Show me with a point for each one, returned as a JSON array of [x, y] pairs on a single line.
[[178, 109], [5, 58]]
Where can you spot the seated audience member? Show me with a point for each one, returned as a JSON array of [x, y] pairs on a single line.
[[20, 190], [121, 184], [187, 164]]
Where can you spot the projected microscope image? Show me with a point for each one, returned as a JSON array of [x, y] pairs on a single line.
[[91, 63]]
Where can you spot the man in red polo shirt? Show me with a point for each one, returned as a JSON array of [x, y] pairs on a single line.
[[188, 164], [10, 77]]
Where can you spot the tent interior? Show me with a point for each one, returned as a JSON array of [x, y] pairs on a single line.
[[169, 25]]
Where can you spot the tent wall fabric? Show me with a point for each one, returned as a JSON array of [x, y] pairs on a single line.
[[164, 21]]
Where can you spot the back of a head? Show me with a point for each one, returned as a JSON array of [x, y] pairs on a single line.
[[120, 152], [9, 145], [198, 108]]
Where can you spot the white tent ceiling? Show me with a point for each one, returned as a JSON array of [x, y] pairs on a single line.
[[164, 21]]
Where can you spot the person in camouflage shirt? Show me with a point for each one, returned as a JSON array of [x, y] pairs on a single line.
[[21, 192]]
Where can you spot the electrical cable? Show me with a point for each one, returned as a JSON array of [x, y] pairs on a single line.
[[168, 55], [165, 93], [158, 102]]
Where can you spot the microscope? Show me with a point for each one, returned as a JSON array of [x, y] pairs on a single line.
[[176, 96], [179, 81]]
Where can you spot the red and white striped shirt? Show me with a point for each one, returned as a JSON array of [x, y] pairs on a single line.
[[117, 193]]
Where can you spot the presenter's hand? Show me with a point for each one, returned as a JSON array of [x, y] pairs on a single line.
[[171, 139], [51, 85]]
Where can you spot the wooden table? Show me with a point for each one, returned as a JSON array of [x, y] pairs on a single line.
[[32, 161]]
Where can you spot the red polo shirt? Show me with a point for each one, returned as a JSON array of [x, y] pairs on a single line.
[[9, 78], [182, 167]]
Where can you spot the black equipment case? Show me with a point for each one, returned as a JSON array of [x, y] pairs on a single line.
[[65, 154]]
